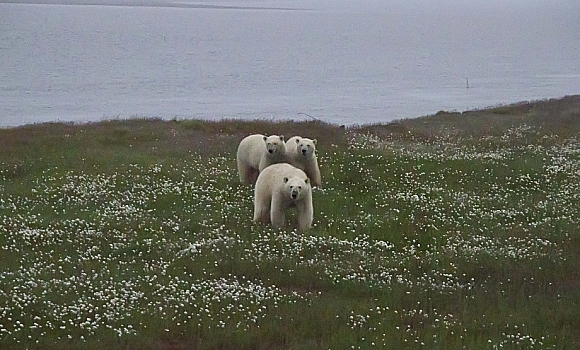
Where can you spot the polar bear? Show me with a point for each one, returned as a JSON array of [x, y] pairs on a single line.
[[278, 188], [256, 152], [301, 153]]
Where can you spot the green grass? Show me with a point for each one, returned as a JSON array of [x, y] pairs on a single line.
[[458, 230]]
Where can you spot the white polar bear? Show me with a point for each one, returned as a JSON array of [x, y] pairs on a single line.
[[301, 153], [278, 188], [256, 152]]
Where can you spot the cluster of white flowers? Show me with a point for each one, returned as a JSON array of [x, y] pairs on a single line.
[[107, 256], [92, 253]]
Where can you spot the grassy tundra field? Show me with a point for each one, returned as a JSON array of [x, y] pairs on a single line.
[[458, 230]]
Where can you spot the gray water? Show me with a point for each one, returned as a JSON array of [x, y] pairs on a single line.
[[342, 61]]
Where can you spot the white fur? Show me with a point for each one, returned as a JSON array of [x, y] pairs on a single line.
[[256, 152], [278, 188], [301, 153]]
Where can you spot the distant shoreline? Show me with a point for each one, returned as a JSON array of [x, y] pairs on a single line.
[[301, 117], [559, 103]]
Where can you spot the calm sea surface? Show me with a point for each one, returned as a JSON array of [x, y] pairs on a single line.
[[343, 61]]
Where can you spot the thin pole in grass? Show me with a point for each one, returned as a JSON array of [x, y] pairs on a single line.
[[308, 115], [466, 83]]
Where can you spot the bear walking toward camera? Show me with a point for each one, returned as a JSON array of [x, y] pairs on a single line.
[[278, 188], [256, 152], [301, 153]]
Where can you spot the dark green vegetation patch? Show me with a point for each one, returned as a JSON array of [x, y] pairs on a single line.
[[448, 231]]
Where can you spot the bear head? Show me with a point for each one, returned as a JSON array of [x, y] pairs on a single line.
[[306, 147], [296, 187], [275, 144]]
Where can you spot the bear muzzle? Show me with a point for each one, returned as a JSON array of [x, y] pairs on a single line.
[[295, 194]]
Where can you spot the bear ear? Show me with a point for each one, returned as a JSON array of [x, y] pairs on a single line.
[[285, 179], [265, 138], [298, 140], [307, 181], [282, 138], [314, 141]]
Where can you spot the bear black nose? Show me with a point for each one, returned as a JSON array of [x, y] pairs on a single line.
[[271, 150], [304, 152], [294, 195]]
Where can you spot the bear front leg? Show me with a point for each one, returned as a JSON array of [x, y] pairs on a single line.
[[277, 216], [252, 176], [305, 216], [313, 174], [242, 172], [261, 215], [261, 211]]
